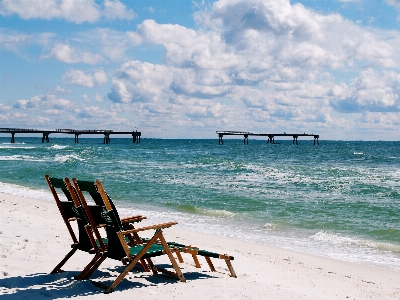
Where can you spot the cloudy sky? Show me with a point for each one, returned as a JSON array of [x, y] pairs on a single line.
[[184, 69]]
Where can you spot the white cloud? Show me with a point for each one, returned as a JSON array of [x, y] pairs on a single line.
[[395, 3], [85, 98], [114, 9], [58, 90], [17, 42], [85, 79], [111, 43], [4, 108], [186, 47], [12, 41], [77, 11], [99, 98], [75, 114], [48, 101], [372, 91], [68, 54], [142, 82], [100, 77]]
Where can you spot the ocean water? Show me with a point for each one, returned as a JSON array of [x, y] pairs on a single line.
[[340, 199]]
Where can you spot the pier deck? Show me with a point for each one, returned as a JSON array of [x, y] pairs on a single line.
[[45, 133], [271, 136]]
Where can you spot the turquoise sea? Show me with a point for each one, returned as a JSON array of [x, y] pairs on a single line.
[[340, 199]]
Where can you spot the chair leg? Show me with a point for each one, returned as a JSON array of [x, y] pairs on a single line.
[[178, 271], [57, 269], [144, 265], [152, 266], [210, 264], [178, 254], [193, 252], [229, 264], [196, 260], [91, 267]]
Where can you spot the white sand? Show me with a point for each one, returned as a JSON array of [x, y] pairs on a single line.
[[33, 239]]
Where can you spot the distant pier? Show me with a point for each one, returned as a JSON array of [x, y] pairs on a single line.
[[45, 133], [271, 136]]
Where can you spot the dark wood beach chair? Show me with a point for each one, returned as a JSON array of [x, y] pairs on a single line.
[[93, 219], [83, 240], [177, 248], [123, 244]]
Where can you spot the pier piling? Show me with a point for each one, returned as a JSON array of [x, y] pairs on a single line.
[[136, 137], [106, 138], [45, 137], [295, 137]]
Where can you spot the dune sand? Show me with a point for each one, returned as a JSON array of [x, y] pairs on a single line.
[[33, 239]]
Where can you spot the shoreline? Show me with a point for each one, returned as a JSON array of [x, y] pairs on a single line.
[[33, 240], [159, 216]]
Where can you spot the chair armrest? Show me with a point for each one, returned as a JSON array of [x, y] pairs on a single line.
[[133, 219], [158, 226]]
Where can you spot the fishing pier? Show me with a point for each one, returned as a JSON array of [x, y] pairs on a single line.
[[45, 133], [271, 136]]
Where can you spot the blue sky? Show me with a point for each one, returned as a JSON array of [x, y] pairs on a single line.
[[184, 69]]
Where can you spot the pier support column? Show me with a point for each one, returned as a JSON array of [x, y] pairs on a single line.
[[316, 139], [220, 141], [45, 137], [295, 137], [271, 139], [246, 139], [106, 138], [135, 137], [76, 141], [12, 137]]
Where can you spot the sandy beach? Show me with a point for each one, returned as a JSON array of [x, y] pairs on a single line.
[[33, 239]]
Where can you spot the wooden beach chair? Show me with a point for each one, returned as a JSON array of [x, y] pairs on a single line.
[[177, 248], [123, 244], [95, 221], [69, 213]]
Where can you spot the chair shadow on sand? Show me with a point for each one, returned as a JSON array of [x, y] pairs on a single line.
[[63, 285]]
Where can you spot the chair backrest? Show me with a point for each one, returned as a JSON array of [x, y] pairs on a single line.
[[69, 213], [107, 216], [82, 208], [90, 188]]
